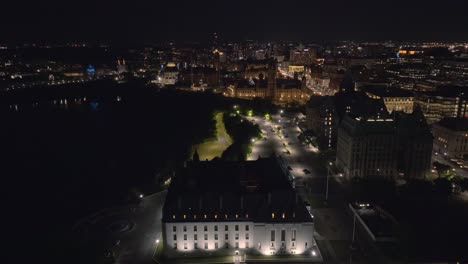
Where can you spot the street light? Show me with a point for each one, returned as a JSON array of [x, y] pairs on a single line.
[[141, 196], [328, 176]]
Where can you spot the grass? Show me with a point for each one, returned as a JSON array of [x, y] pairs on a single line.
[[215, 148]]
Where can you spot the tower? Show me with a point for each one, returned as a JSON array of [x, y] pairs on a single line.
[[271, 86]]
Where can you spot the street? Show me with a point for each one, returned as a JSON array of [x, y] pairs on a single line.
[[333, 225]]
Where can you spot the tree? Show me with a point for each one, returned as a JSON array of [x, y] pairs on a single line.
[[443, 187], [443, 170]]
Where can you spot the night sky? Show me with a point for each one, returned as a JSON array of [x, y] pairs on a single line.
[[147, 20]]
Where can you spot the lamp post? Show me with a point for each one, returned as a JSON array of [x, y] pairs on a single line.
[[354, 229], [328, 176]]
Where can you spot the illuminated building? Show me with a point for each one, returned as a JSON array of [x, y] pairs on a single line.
[[302, 56], [121, 66], [367, 147], [436, 105], [399, 147], [395, 99], [451, 137], [324, 113], [280, 91], [170, 74], [224, 207]]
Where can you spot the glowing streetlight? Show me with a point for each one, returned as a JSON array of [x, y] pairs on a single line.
[[314, 253], [141, 196], [328, 176], [157, 241], [281, 111]]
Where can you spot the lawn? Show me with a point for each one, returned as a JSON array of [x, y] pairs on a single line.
[[215, 148]]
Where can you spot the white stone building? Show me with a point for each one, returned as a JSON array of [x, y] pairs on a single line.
[[235, 207]]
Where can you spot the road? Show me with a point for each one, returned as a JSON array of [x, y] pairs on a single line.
[[281, 138], [460, 171], [332, 224]]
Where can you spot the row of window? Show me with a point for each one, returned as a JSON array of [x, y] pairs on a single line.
[[205, 228], [283, 235], [216, 245], [205, 216], [205, 236], [236, 245]]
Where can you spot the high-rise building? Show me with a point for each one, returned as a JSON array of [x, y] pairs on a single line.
[[396, 148], [414, 145], [302, 56], [367, 147], [324, 113]]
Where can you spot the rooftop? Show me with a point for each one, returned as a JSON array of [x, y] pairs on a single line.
[[221, 190], [454, 123]]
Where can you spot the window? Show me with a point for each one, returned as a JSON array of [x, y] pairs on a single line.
[[246, 235], [226, 228], [247, 244], [175, 237], [195, 245], [283, 235], [195, 228], [237, 244], [236, 228], [206, 245], [185, 245], [226, 236], [206, 236], [216, 245], [195, 237], [205, 228], [272, 215], [293, 235], [216, 228], [216, 236], [272, 235], [174, 228], [185, 236], [246, 227], [306, 245], [175, 245], [237, 237], [226, 245]]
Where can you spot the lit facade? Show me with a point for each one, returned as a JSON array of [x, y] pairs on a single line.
[[451, 137]]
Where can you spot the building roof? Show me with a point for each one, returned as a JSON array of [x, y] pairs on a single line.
[[358, 126], [454, 123], [218, 190], [382, 91]]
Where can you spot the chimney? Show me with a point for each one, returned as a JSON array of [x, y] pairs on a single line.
[[242, 203], [179, 202], [220, 202]]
